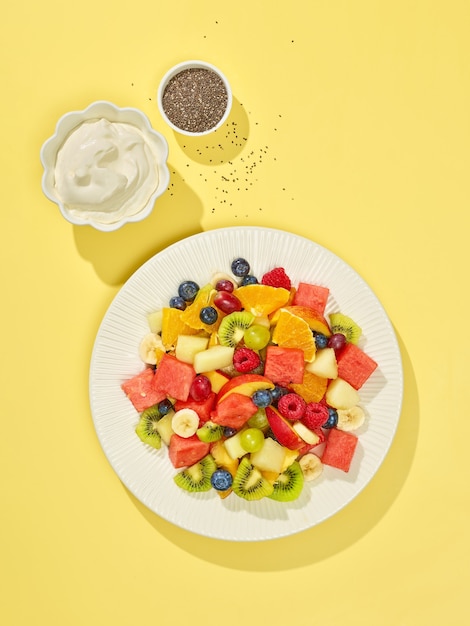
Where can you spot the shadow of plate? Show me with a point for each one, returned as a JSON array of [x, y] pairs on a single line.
[[334, 534]]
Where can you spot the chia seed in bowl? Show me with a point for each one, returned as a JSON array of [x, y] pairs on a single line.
[[194, 98]]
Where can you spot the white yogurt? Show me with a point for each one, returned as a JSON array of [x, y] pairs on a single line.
[[106, 170]]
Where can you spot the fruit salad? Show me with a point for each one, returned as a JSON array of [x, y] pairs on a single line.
[[249, 386]]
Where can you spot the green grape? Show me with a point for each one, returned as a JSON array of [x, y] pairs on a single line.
[[252, 439], [256, 337], [259, 420]]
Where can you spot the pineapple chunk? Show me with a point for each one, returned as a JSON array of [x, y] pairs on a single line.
[[223, 458], [217, 380], [291, 456]]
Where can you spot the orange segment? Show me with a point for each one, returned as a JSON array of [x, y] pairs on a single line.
[[291, 331], [316, 321], [312, 388], [173, 326], [261, 300], [205, 297]]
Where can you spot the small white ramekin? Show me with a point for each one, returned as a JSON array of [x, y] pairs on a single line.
[[112, 113], [186, 65]]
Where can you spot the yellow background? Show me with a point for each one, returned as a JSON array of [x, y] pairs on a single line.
[[357, 117]]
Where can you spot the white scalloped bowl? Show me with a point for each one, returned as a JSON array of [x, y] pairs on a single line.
[[110, 112]]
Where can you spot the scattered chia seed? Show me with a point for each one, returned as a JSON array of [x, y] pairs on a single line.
[[195, 100]]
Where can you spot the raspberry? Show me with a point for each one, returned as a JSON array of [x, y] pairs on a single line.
[[315, 415], [245, 360], [277, 278], [292, 406]]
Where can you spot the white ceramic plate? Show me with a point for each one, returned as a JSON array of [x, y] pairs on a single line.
[[148, 473]]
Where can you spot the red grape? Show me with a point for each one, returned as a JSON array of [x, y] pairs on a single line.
[[227, 302], [225, 285], [337, 341], [200, 388]]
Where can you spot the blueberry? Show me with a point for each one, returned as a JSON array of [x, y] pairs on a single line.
[[208, 315], [164, 407], [240, 267], [321, 340], [277, 393], [177, 302], [262, 398], [332, 419], [229, 432], [221, 480], [188, 290], [249, 280]]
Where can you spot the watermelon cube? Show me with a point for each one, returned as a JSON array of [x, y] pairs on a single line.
[[234, 410], [313, 296], [339, 449], [354, 365], [174, 377], [185, 451], [202, 407], [140, 390], [284, 365]]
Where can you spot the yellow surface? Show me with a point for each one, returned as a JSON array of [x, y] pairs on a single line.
[[350, 126]]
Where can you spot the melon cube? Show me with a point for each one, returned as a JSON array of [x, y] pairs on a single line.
[[164, 427], [155, 321], [341, 395], [214, 358], [325, 364], [233, 446], [270, 458], [339, 449], [187, 346]]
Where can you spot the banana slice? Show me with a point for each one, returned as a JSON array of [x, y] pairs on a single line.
[[311, 466], [148, 347], [350, 419], [221, 276], [185, 422]]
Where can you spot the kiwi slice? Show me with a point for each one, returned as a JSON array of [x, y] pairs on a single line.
[[289, 484], [210, 432], [340, 323], [197, 477], [146, 428], [249, 483], [233, 326]]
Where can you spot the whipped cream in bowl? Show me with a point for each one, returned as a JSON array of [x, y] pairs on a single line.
[[105, 166]]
